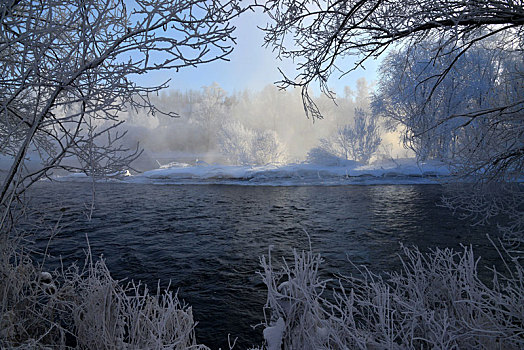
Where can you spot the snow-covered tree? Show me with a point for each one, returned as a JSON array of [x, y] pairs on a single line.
[[242, 145], [235, 142], [211, 111], [317, 35], [357, 141], [458, 116]]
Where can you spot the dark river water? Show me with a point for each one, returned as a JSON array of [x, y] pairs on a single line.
[[207, 239]]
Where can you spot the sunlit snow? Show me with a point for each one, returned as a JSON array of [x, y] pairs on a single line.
[[400, 171]]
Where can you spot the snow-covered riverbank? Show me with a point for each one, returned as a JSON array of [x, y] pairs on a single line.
[[401, 171]]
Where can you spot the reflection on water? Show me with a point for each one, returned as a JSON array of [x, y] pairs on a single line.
[[208, 239]]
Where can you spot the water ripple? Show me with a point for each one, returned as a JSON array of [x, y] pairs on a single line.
[[208, 239]]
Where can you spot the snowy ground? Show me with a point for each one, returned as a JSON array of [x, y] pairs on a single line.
[[401, 171]]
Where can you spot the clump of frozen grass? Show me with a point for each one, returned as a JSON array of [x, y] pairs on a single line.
[[435, 301], [20, 297], [107, 315], [85, 308], [295, 298]]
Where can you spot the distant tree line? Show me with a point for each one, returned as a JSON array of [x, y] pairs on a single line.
[[262, 127]]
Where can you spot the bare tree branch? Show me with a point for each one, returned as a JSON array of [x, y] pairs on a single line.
[[67, 74]]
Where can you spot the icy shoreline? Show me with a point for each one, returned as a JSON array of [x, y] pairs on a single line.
[[398, 172]]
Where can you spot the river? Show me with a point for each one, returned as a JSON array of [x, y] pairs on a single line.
[[207, 239]]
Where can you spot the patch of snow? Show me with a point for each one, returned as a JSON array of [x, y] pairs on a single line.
[[172, 165], [273, 335], [45, 277], [119, 173]]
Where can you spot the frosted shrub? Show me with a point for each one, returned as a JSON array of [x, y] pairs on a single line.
[[322, 156], [266, 148], [26, 313], [235, 142], [436, 301]]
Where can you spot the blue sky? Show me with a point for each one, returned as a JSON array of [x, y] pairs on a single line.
[[250, 67]]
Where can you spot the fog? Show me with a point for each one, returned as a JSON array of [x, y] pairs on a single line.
[[245, 127]]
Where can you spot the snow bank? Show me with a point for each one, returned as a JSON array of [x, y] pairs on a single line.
[[402, 171]]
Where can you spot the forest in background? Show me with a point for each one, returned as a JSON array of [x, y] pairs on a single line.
[[253, 127]]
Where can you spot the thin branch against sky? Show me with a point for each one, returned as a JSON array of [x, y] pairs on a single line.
[[251, 66]]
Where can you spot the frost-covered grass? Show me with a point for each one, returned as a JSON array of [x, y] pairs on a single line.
[[436, 301], [85, 308]]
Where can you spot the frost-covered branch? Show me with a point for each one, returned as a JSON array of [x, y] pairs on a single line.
[[471, 119], [67, 75], [318, 34]]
